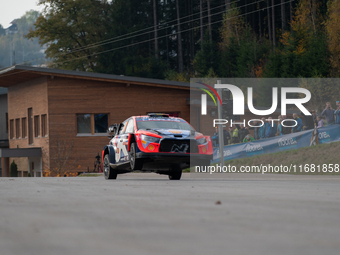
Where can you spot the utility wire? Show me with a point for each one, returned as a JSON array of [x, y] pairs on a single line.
[[152, 27], [122, 39], [133, 44], [109, 40]]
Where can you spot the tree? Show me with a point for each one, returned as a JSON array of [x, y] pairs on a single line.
[[290, 12], [283, 16], [322, 90], [273, 22], [68, 27], [2, 30], [332, 25], [209, 20], [148, 38], [18, 49], [155, 23], [60, 156], [14, 169], [240, 48], [207, 59], [227, 5], [233, 27], [125, 18], [304, 50], [179, 39], [269, 26], [201, 23]]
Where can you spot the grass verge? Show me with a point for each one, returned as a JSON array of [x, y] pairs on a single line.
[[90, 174], [317, 155]]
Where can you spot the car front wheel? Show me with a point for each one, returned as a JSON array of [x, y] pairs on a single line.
[[109, 173], [135, 164], [175, 172]]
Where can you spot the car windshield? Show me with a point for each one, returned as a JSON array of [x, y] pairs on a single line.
[[161, 124]]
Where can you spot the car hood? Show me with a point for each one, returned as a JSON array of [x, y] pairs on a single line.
[[173, 133]]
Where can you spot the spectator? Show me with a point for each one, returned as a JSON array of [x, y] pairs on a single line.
[[337, 112], [310, 120], [271, 128], [279, 125], [320, 121], [234, 138], [286, 130], [314, 118], [328, 112], [242, 133], [215, 138], [299, 125], [256, 128], [262, 129], [226, 135], [248, 138]]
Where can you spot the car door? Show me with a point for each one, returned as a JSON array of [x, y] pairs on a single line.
[[119, 139], [123, 141]]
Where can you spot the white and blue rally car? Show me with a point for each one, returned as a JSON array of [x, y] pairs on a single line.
[[154, 143]]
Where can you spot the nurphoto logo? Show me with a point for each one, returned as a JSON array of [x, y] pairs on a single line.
[[239, 103]]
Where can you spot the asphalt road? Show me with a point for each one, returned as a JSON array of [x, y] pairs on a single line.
[[148, 214]]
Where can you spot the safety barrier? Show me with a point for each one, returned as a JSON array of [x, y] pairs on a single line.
[[278, 143]]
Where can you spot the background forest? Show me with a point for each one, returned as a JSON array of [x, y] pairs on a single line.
[[181, 39], [15, 48]]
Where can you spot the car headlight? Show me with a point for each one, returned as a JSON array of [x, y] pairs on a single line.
[[201, 141], [150, 139]]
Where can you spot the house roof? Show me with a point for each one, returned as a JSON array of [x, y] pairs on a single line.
[[22, 152], [17, 74]]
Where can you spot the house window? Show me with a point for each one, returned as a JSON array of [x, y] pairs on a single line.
[[30, 125], [6, 122], [84, 123], [11, 129], [44, 125], [92, 123], [36, 126], [100, 123], [24, 128], [17, 128]]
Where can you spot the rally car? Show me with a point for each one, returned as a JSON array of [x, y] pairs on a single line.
[[157, 143]]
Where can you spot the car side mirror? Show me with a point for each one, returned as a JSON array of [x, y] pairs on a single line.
[[111, 129]]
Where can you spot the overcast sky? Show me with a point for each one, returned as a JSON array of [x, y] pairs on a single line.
[[13, 9]]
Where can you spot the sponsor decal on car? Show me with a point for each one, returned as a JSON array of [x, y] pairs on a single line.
[[175, 131], [182, 148]]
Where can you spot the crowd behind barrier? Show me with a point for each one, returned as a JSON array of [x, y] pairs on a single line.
[[291, 141], [271, 137], [269, 128]]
